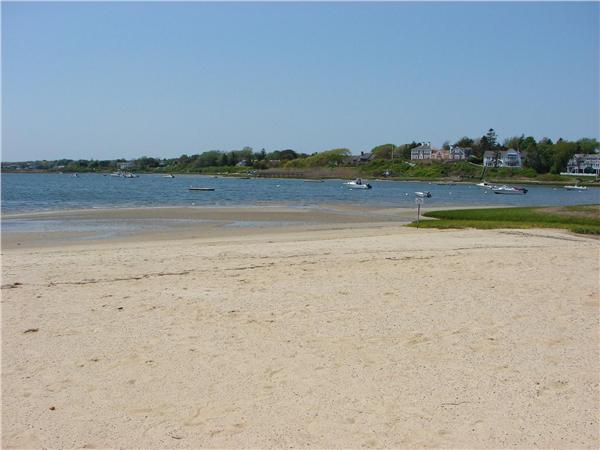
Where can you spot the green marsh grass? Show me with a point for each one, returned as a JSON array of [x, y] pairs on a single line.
[[584, 219]]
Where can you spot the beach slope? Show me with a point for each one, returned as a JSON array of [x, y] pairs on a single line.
[[361, 337]]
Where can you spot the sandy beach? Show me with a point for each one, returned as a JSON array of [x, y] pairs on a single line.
[[341, 333]]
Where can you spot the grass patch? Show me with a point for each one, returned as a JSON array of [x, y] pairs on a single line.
[[583, 219]]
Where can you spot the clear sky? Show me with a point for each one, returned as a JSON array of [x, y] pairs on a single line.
[[110, 80]]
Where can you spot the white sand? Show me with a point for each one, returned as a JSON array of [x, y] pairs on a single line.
[[386, 337]]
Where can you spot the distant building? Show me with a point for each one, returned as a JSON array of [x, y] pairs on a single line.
[[440, 154], [423, 151], [457, 153], [582, 163], [126, 165], [505, 158], [363, 158], [11, 166]]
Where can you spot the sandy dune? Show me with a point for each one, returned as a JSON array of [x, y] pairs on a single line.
[[386, 337]]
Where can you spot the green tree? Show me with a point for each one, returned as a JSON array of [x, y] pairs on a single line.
[[385, 151], [404, 151], [562, 151], [515, 142], [587, 145], [464, 142], [208, 159], [327, 158], [287, 155], [145, 163], [224, 160], [540, 155], [274, 156], [260, 156], [492, 139], [489, 143]]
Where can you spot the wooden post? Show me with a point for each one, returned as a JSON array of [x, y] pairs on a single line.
[[418, 213]]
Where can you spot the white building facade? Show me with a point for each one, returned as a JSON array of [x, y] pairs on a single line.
[[507, 158], [423, 151], [584, 164]]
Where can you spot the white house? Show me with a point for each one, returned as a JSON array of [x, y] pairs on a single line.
[[423, 151], [582, 163], [507, 158], [457, 152]]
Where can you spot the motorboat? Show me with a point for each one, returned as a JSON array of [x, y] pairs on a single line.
[[357, 184], [122, 174], [576, 187], [510, 190], [423, 194], [485, 185], [195, 188], [170, 175]]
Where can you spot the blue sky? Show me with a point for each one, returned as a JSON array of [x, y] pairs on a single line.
[[109, 80]]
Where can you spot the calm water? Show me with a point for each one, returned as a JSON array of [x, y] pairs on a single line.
[[42, 192]]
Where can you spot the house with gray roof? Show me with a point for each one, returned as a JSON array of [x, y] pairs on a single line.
[[423, 151], [584, 164], [457, 153], [504, 158]]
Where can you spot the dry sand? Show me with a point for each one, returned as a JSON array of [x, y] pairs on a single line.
[[342, 337]]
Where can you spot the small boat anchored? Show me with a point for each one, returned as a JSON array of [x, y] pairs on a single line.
[[423, 194], [122, 174], [357, 184], [485, 185], [576, 187], [170, 175], [510, 190]]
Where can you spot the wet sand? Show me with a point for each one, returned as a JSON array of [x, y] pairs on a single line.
[[63, 228], [341, 334]]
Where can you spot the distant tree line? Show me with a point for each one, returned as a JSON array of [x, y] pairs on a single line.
[[542, 156]]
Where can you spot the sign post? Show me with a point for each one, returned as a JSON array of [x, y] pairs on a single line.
[[418, 201]]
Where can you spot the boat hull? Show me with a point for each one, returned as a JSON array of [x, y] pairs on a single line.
[[507, 192], [576, 188], [357, 186]]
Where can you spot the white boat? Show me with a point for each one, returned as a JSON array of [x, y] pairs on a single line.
[[357, 184], [423, 194], [169, 176], [510, 190], [576, 187], [485, 185], [122, 174]]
